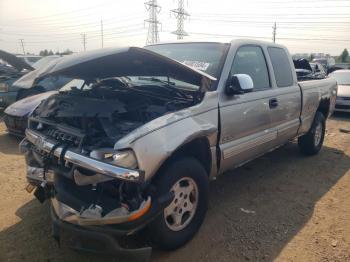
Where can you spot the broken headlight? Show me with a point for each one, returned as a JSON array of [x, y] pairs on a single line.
[[125, 158]]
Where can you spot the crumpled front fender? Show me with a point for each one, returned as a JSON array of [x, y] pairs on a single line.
[[154, 142]]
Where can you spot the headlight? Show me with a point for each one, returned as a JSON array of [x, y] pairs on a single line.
[[4, 87], [125, 159]]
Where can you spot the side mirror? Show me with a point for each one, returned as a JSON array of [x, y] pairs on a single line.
[[239, 84]]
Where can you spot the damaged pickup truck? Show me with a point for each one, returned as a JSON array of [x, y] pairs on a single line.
[[135, 145]]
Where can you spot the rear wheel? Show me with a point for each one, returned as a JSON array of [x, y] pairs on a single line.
[[179, 222], [311, 143]]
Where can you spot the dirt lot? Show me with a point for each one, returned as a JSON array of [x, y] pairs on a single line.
[[283, 207]]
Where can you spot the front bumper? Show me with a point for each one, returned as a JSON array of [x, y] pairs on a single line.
[[95, 239], [342, 104], [49, 146], [104, 238]]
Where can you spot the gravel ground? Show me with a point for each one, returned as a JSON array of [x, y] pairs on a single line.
[[282, 206]]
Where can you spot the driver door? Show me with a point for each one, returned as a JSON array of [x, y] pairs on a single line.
[[246, 129]]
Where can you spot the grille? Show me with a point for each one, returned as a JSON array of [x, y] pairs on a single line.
[[62, 137]]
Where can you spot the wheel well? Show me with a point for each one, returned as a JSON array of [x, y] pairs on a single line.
[[198, 148], [324, 107]]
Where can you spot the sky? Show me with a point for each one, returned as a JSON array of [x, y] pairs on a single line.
[[304, 26]]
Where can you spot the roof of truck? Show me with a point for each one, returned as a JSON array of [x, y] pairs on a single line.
[[238, 40]]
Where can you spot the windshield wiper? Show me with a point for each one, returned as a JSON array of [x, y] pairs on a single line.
[[168, 85], [155, 79]]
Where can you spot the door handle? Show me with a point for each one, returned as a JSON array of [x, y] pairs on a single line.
[[273, 102]]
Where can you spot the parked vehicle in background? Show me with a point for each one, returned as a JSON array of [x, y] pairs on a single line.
[[308, 71], [22, 87], [16, 115], [137, 147], [327, 62], [11, 69], [339, 66], [343, 95], [318, 70], [29, 59]]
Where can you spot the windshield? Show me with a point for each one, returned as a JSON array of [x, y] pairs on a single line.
[[206, 57], [343, 78]]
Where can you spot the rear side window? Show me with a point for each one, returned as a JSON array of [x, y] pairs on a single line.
[[281, 66], [250, 60]]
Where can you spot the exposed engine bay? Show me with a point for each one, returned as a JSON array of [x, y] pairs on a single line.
[[110, 109]]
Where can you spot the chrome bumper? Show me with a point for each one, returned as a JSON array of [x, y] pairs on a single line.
[[45, 144]]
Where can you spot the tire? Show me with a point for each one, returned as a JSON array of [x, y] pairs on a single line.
[[311, 143], [183, 174]]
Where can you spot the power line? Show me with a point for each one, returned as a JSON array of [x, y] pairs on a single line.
[[267, 22], [181, 15], [263, 37], [153, 34]]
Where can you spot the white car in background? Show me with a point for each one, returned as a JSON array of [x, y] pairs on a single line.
[[343, 96]]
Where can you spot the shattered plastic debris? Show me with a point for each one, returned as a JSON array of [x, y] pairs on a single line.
[[247, 211], [94, 211]]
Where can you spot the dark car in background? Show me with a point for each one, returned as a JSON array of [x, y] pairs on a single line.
[[22, 87], [8, 75], [11, 69], [16, 115]]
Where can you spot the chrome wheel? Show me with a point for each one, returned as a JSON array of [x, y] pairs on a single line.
[[183, 207], [318, 134]]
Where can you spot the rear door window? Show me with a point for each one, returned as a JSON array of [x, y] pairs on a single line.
[[250, 60], [281, 66]]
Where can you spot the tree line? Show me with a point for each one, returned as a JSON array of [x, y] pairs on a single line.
[[46, 52]]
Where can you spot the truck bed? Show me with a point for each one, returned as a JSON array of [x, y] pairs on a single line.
[[316, 93]]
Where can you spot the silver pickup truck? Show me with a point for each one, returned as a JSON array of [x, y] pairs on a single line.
[[135, 144]]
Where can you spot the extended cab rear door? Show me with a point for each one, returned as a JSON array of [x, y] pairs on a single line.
[[285, 115]]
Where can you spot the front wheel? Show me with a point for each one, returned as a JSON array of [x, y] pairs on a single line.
[[311, 143], [179, 221]]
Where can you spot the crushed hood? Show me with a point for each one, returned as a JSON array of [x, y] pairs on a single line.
[[14, 61], [128, 61]]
